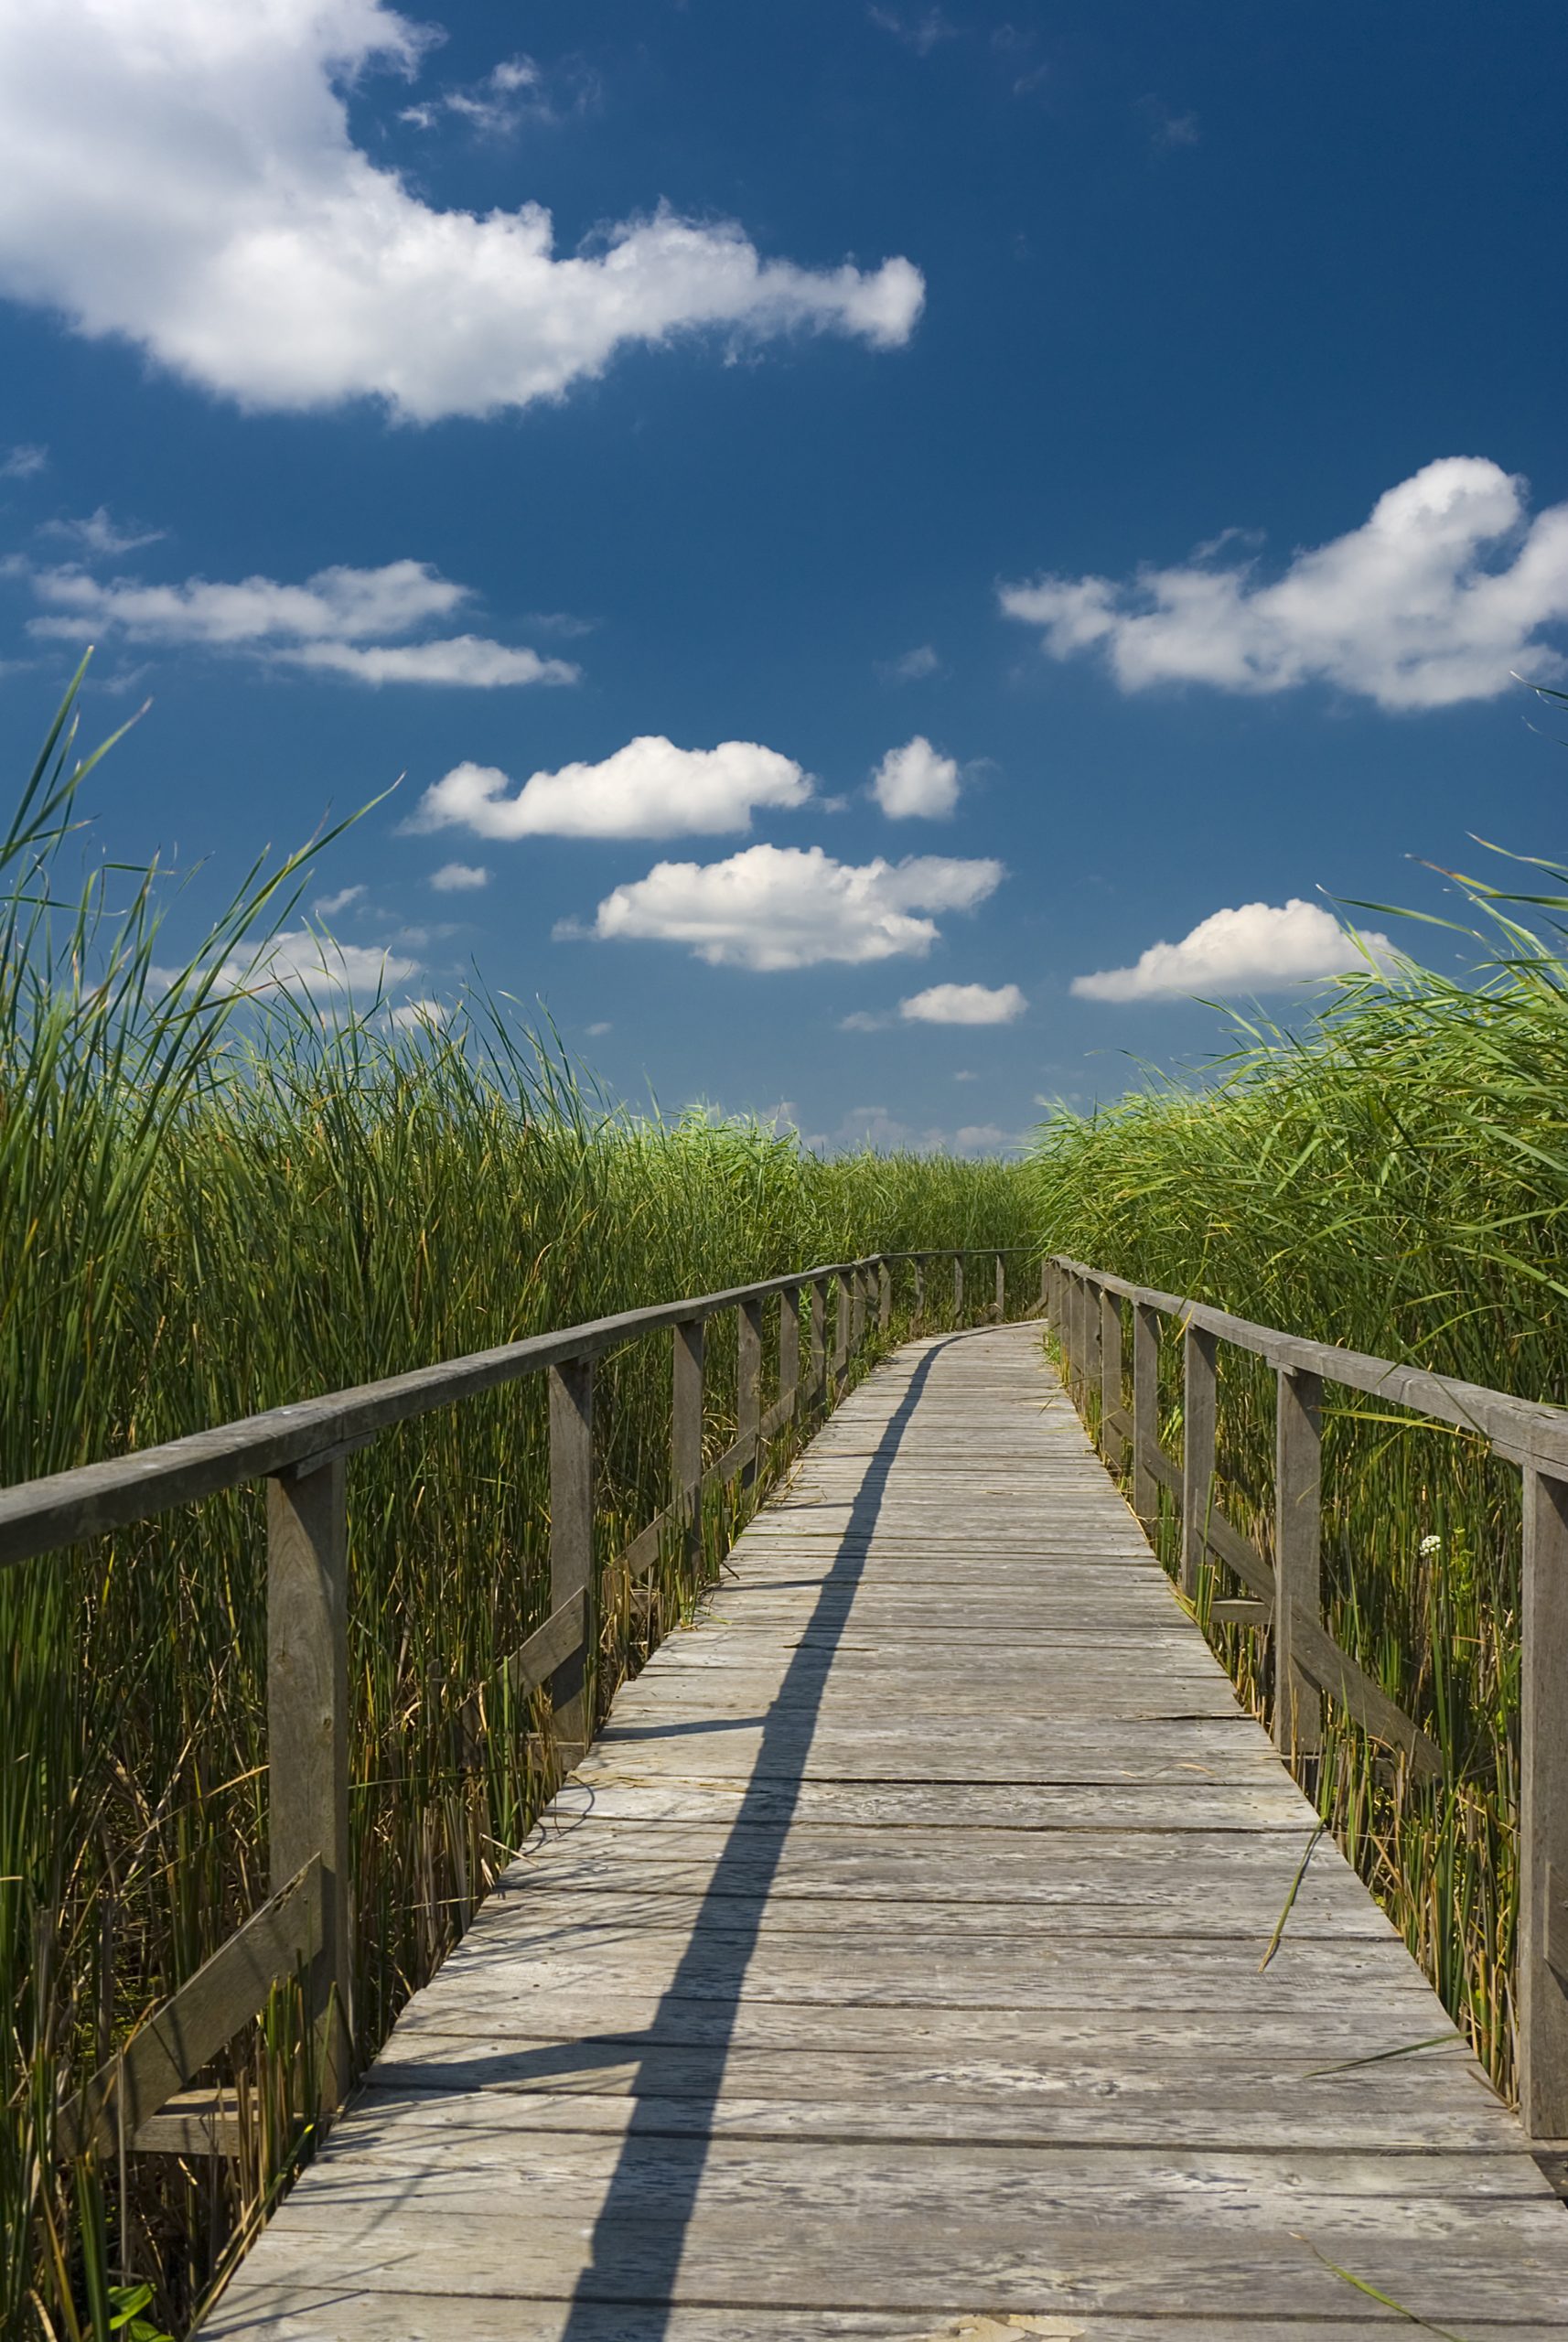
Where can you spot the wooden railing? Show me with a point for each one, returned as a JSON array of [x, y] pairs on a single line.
[[1086, 1308], [139, 2097]]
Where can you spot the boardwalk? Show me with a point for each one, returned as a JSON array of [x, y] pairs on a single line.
[[893, 1968]]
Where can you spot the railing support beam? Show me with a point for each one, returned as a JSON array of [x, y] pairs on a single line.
[[1199, 1407], [308, 1733], [572, 1546], [1298, 1538], [1146, 1415], [1112, 1444], [1543, 1978]]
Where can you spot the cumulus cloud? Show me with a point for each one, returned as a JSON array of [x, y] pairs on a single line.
[[201, 196], [1437, 597], [964, 1005], [419, 1015], [1259, 947], [793, 906], [330, 622], [328, 906], [649, 788], [914, 780], [459, 877]]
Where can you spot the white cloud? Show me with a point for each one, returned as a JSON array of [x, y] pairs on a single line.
[[1437, 597], [201, 196], [458, 658], [1259, 947], [913, 667], [964, 1005], [419, 1015], [100, 534], [793, 906], [459, 877], [649, 788], [23, 462], [330, 622], [302, 960], [597, 1031], [328, 906], [914, 780]]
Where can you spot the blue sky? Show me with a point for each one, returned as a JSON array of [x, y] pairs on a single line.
[[949, 501]]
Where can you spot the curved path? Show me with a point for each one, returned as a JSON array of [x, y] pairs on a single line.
[[895, 1968]]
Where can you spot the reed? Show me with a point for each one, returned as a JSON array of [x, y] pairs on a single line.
[[212, 1201], [1395, 1179]]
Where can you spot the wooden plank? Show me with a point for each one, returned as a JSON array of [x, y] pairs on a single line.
[[196, 2021], [898, 1954]]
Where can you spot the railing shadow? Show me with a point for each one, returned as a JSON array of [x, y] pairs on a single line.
[[640, 2232]]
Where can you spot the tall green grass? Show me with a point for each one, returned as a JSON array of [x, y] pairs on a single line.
[[212, 1201], [1395, 1179]]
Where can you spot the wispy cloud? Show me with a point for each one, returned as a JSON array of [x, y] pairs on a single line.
[[921, 30], [914, 666], [337, 620], [98, 534], [23, 462]]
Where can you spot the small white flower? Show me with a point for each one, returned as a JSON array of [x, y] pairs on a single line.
[[1431, 1544]]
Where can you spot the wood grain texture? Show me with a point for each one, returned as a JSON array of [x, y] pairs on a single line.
[[892, 1967]]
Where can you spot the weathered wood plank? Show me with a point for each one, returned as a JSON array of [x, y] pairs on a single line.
[[895, 1965]]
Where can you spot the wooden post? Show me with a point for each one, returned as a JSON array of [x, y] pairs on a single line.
[[1066, 1326], [841, 1337], [1542, 1982], [919, 1291], [957, 1288], [686, 1431], [1145, 1413], [307, 1732], [1001, 1292], [884, 1297], [1092, 1369], [749, 1383], [1298, 1535], [572, 1544], [1112, 1444], [817, 1353], [790, 1345], [1045, 1288], [1198, 1407]]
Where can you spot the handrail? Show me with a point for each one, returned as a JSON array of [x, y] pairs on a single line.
[[1084, 1306], [300, 1451], [62, 1509]]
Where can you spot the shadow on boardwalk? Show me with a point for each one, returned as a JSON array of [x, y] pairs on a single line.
[[711, 1969]]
